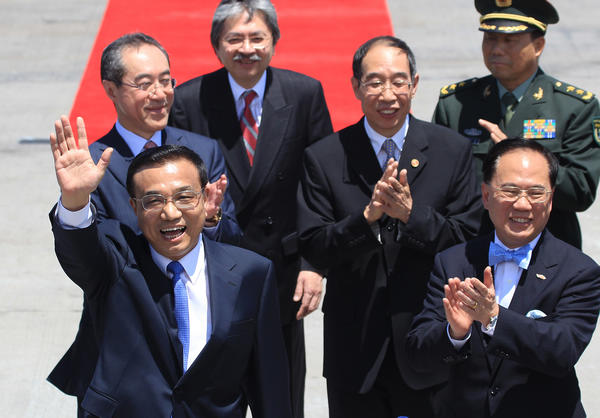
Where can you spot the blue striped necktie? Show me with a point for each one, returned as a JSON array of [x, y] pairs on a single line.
[[181, 309]]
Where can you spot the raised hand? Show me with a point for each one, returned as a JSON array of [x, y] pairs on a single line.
[[374, 210], [76, 173], [479, 299], [396, 197], [215, 192], [460, 321], [496, 134]]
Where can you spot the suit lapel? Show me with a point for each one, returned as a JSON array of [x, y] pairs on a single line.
[[169, 137], [535, 278], [361, 161], [413, 158], [224, 285], [121, 158], [224, 125], [533, 97], [271, 135], [160, 289]]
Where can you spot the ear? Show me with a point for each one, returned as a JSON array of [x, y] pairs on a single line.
[[538, 45], [414, 86], [485, 194], [356, 87], [110, 88], [133, 205]]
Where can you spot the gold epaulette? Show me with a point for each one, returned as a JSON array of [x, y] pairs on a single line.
[[571, 90], [453, 88]]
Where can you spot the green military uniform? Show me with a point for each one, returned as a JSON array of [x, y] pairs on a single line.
[[560, 116]]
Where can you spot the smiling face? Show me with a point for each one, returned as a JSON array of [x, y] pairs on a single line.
[[246, 48], [141, 112], [172, 232], [511, 58], [385, 112], [519, 222]]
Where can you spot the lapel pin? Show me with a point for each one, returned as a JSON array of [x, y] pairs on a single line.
[[539, 95], [487, 91], [414, 162], [540, 276]]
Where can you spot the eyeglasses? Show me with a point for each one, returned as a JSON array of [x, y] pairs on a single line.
[[533, 194], [256, 41], [166, 84], [376, 87], [155, 202]]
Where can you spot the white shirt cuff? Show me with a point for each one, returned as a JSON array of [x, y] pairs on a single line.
[[458, 344], [74, 220]]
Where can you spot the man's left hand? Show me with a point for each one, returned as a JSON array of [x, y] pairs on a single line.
[[479, 299], [397, 198], [496, 134], [309, 288], [214, 192]]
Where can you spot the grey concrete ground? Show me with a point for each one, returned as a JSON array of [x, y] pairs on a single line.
[[45, 48]]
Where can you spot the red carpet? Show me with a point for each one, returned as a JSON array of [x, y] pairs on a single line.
[[319, 39]]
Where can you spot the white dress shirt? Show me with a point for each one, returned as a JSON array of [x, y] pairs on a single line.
[[377, 141], [195, 278], [135, 142], [256, 104]]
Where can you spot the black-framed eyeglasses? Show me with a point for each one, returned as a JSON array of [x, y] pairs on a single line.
[[536, 194], [183, 200], [166, 84], [377, 87]]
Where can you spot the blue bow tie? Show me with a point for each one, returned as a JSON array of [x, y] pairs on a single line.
[[497, 254]]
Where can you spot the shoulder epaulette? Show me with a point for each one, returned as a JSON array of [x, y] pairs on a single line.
[[569, 89], [453, 88]]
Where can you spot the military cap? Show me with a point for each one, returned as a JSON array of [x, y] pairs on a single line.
[[515, 16]]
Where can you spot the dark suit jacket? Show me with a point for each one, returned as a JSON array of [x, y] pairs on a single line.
[[527, 368], [374, 289], [294, 115], [139, 370], [74, 371], [576, 142]]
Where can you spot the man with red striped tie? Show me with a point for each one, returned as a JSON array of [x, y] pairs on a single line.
[[263, 118]]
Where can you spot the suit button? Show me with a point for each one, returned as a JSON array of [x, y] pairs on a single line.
[[494, 391], [448, 359], [269, 220], [280, 176]]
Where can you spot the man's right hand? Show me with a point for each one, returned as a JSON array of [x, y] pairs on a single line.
[[374, 210], [77, 174]]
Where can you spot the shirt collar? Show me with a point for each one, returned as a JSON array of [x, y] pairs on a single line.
[[377, 139], [190, 261], [259, 87], [135, 142], [519, 92], [531, 246]]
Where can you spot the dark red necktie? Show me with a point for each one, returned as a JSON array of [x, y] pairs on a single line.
[[248, 125]]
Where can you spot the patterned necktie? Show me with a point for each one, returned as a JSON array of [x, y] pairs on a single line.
[[149, 144], [389, 147], [248, 125], [497, 254], [181, 309], [510, 102]]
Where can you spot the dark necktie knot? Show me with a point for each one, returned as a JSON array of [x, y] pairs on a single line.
[[249, 95], [149, 144], [175, 268]]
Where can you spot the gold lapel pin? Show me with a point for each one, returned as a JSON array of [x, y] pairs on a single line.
[[487, 91], [540, 276], [414, 162]]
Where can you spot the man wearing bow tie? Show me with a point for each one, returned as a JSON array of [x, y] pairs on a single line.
[[508, 314]]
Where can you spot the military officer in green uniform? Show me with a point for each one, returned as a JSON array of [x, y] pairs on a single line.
[[519, 99]]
